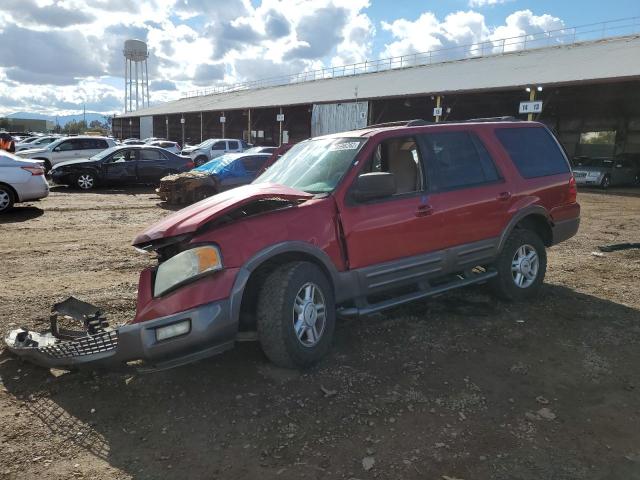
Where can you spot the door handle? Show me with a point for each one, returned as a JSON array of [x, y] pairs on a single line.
[[424, 210], [504, 195]]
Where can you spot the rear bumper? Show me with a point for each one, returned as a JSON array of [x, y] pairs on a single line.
[[35, 189], [565, 229], [211, 331]]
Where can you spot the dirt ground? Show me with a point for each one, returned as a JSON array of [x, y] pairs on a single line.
[[458, 387]]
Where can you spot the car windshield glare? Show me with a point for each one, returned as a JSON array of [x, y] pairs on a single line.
[[314, 166]]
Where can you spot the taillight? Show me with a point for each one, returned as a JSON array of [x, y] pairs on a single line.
[[34, 170], [573, 190]]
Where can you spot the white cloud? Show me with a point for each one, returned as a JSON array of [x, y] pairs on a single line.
[[482, 3], [428, 33]]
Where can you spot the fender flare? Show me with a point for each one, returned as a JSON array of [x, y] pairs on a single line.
[[525, 212], [258, 259]]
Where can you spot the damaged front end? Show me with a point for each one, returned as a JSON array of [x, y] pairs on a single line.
[[61, 345]]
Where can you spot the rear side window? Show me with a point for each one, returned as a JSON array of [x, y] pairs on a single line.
[[458, 160], [533, 150], [146, 154], [233, 145]]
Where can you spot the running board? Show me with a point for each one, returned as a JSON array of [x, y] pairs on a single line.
[[428, 292]]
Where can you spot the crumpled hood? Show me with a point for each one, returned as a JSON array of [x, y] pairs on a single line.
[[193, 217], [74, 162]]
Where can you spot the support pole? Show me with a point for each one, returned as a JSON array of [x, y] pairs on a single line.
[[532, 98], [280, 136], [126, 107], [130, 88], [223, 124], [201, 139], [166, 122], [249, 126], [146, 69], [438, 103], [137, 81]]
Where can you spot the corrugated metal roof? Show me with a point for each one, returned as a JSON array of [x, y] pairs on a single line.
[[600, 60]]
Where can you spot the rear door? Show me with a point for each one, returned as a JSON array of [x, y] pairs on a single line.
[[92, 146], [469, 199], [121, 167], [152, 165]]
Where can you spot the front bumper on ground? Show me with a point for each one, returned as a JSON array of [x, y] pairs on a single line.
[[211, 331]]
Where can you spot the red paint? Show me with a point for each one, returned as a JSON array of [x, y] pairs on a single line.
[[372, 233]]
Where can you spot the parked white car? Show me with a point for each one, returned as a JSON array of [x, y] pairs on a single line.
[[173, 147], [214, 147], [68, 148], [20, 181], [37, 142]]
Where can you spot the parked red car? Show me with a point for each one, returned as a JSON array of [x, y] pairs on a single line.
[[346, 224]]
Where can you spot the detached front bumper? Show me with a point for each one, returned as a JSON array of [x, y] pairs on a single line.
[[211, 331]]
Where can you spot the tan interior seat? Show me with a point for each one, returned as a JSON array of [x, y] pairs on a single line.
[[405, 170]]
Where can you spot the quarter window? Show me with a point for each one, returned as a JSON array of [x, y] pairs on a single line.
[[533, 150], [458, 160]]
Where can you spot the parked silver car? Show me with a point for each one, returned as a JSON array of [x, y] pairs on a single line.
[[622, 169], [20, 181], [213, 148]]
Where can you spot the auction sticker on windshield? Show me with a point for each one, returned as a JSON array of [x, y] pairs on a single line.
[[344, 146]]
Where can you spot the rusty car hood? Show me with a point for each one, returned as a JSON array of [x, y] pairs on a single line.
[[192, 218]]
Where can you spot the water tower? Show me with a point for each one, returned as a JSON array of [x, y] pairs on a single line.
[[136, 75]]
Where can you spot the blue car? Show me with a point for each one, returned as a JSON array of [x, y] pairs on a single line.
[[234, 169]]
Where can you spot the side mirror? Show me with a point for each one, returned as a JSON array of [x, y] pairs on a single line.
[[373, 186], [57, 149]]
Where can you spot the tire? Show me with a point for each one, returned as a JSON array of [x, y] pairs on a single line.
[[289, 285], [85, 181], [522, 282], [7, 199], [606, 182], [201, 160]]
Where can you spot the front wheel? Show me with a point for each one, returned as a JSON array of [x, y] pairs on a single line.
[[606, 182], [199, 161], [521, 266], [296, 315], [86, 181]]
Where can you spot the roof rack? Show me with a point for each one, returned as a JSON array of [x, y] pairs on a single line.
[[418, 122]]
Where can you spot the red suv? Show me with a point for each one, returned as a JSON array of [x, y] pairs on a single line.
[[343, 225]]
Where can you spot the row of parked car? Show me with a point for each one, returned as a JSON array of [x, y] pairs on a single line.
[[86, 162]]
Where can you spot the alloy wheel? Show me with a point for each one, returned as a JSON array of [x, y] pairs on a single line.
[[5, 200], [309, 315], [525, 266], [85, 181]]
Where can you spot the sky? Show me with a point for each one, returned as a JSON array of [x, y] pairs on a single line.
[[62, 55]]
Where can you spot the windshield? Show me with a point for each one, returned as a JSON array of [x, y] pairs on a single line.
[[314, 166], [104, 153], [594, 162]]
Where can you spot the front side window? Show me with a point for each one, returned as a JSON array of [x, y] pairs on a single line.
[[219, 146], [399, 156], [126, 155], [458, 160], [533, 150], [253, 164], [66, 146], [314, 166]]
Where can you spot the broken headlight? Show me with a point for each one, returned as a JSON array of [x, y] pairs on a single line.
[[186, 266]]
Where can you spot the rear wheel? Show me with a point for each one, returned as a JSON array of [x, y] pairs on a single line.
[[296, 315], [521, 266], [86, 181], [6, 199]]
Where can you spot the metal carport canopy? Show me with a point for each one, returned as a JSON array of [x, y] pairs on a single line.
[[615, 58]]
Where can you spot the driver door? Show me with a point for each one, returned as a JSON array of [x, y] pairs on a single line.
[[121, 167]]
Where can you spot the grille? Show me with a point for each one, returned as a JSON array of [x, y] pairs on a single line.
[[580, 174], [101, 342]]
